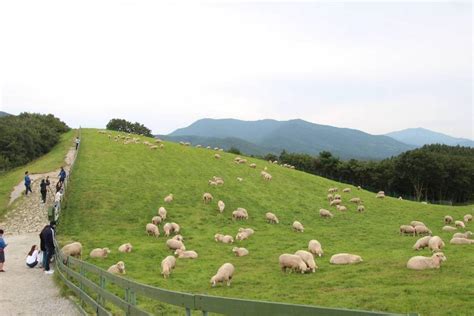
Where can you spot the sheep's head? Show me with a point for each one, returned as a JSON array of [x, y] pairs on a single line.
[[106, 251], [121, 266], [468, 233], [178, 252], [235, 249], [439, 256], [178, 237], [213, 281]]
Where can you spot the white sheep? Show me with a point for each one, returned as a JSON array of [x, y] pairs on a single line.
[[224, 274], [359, 187], [308, 260], [240, 213], [168, 198], [360, 208], [345, 258], [152, 230], [337, 197], [422, 230], [226, 239], [125, 247], [468, 218], [99, 253], [463, 235], [355, 200], [335, 202], [449, 228], [448, 219], [240, 252], [417, 223], [118, 268], [461, 241], [341, 208], [207, 197], [252, 165], [271, 218], [211, 182], [221, 206], [168, 229], [330, 197], [436, 244], [292, 262], [315, 247], [422, 263], [156, 220], [460, 224], [407, 229], [346, 190], [176, 228], [73, 249], [167, 265], [217, 156], [325, 213], [422, 243], [240, 179], [297, 226], [186, 254], [162, 212], [174, 244], [244, 233]]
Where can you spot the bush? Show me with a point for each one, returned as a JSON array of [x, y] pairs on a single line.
[[122, 125]]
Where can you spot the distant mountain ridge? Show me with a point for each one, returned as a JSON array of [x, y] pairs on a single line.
[[4, 114], [271, 136], [422, 136]]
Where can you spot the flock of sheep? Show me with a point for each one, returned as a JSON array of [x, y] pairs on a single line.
[[301, 261]]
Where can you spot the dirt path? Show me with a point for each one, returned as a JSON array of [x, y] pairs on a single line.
[[25, 291]]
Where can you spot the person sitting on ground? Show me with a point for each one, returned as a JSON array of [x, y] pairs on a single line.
[[3, 245], [33, 257]]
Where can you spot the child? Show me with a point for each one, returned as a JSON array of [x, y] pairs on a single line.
[[32, 258], [3, 245]]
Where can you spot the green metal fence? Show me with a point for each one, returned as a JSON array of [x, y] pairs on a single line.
[[73, 273]]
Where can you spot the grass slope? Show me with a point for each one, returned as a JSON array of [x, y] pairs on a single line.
[[49, 162], [117, 188]]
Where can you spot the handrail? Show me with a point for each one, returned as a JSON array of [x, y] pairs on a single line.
[[65, 266]]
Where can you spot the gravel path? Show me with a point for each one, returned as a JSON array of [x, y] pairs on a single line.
[[25, 291]]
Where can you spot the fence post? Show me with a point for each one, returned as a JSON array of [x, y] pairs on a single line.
[[102, 284], [188, 311], [82, 271]]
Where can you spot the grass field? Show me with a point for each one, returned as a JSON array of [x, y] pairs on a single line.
[[117, 188], [49, 162]]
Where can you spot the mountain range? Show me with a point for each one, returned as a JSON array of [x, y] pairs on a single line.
[[422, 136], [4, 114]]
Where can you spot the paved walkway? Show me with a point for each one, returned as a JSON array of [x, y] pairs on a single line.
[[25, 291]]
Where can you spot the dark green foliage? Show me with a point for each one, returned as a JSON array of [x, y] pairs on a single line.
[[122, 125], [27, 136], [437, 173], [234, 150]]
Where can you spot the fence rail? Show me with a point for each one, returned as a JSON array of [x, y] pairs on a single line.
[[73, 271]]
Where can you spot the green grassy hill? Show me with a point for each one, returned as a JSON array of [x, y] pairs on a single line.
[[117, 188]]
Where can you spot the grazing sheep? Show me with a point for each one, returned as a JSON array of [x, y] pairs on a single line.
[[198, 146], [468, 218], [297, 226], [341, 208], [167, 266], [99, 253], [210, 182], [337, 197], [178, 237], [448, 219], [168, 198], [207, 197], [400, 198], [174, 244], [154, 147], [162, 213], [219, 181], [176, 228], [73, 249], [422, 230], [226, 239], [325, 213], [346, 190], [335, 202], [240, 252], [271, 218], [380, 195], [220, 206], [125, 247], [417, 223], [240, 213], [423, 263], [252, 165], [359, 187], [330, 197], [168, 229], [152, 230], [217, 156], [118, 268], [355, 200], [162, 146], [360, 208], [315, 247], [239, 179], [293, 262], [244, 233], [156, 220], [407, 229], [224, 274], [449, 228], [463, 235], [308, 260], [186, 254], [460, 224], [422, 243], [345, 258], [461, 241], [436, 244], [332, 190]]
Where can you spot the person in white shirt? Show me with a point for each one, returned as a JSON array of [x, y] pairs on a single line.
[[32, 258]]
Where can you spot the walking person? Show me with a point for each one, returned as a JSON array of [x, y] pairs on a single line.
[[77, 142], [62, 175], [3, 245], [47, 243], [27, 183], [43, 190], [33, 257]]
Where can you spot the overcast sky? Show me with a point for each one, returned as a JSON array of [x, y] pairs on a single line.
[[377, 67]]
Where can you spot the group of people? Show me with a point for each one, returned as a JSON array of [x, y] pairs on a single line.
[[45, 185], [41, 257]]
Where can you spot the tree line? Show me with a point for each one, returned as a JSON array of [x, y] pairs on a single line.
[[26, 137], [125, 126], [434, 173]]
